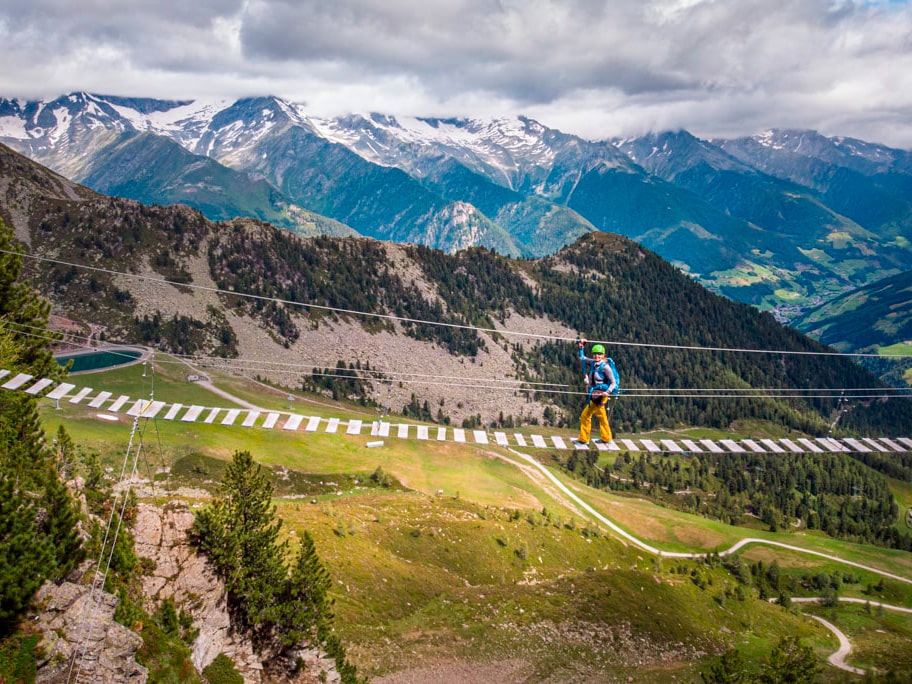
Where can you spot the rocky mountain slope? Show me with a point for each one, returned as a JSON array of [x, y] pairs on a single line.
[[411, 315], [783, 221]]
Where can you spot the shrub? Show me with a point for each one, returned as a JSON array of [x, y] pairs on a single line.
[[222, 671]]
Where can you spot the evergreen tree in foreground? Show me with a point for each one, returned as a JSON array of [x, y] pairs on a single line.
[[791, 661], [281, 607], [38, 538]]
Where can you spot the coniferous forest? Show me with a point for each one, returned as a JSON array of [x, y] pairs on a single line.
[[841, 495], [662, 328], [603, 286]]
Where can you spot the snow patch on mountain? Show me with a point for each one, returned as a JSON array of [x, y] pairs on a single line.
[[498, 148], [13, 127]]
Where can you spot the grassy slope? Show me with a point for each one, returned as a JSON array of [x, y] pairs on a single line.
[[425, 578]]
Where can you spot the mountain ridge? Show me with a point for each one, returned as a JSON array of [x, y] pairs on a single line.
[[784, 221], [418, 308]]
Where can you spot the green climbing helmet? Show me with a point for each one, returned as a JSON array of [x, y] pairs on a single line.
[[598, 349]]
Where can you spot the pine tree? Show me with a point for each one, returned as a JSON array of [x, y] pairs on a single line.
[[25, 556], [791, 661], [38, 536], [305, 605], [239, 532], [59, 525], [729, 668]]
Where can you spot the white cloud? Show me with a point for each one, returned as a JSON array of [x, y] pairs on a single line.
[[594, 67]]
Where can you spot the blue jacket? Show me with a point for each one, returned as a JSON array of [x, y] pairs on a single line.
[[598, 375]]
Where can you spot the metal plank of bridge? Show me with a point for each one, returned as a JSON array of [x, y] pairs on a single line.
[[481, 437], [332, 426], [520, 439], [380, 428], [809, 445], [794, 448], [843, 445], [137, 407], [151, 410], [424, 432], [832, 445], [692, 446], [60, 391], [18, 381], [606, 446], [173, 411], [271, 419], [354, 427], [212, 414], [893, 445], [38, 386], [250, 420], [712, 446], [402, 431], [877, 445], [145, 408], [772, 446], [80, 395], [99, 400], [651, 446], [580, 446], [312, 424], [441, 434], [192, 414], [732, 446], [118, 403], [4, 373], [459, 435], [671, 446], [905, 440], [293, 422], [753, 446], [559, 442], [231, 416], [630, 444], [539, 441], [858, 446], [501, 438]]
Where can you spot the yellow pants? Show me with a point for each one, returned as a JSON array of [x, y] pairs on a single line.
[[594, 408]]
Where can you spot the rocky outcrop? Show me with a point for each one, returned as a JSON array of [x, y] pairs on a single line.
[[185, 576], [80, 640]]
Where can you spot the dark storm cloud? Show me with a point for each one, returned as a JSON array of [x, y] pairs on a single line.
[[595, 67], [530, 51]]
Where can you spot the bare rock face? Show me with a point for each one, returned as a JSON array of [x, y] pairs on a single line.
[[81, 641], [185, 576]]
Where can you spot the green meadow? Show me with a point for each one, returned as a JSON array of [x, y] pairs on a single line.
[[446, 553]]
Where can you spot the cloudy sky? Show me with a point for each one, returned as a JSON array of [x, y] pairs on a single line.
[[597, 68]]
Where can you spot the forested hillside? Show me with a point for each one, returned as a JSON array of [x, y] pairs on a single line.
[[843, 496], [866, 318], [664, 330]]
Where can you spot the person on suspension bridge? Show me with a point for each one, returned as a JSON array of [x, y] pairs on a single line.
[[602, 379]]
